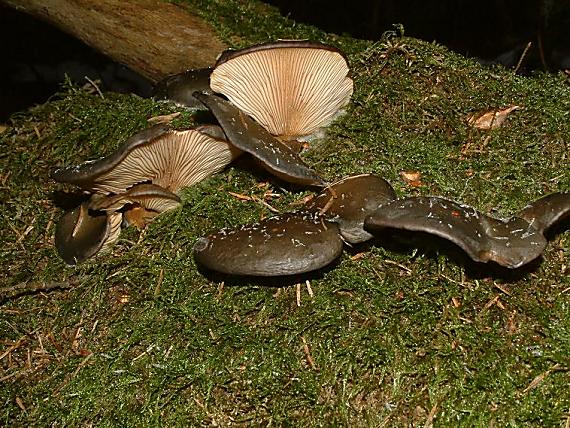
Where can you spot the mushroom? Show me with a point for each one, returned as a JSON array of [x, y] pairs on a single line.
[[146, 202], [80, 234], [543, 213], [292, 87], [511, 243], [170, 159], [349, 201], [179, 87], [247, 135], [288, 244]]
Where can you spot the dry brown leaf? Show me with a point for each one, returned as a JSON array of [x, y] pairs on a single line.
[[491, 119], [412, 178], [165, 118]]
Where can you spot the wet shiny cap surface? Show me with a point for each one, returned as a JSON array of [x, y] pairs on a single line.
[[511, 243], [349, 201], [80, 234], [288, 244], [547, 211], [178, 88]]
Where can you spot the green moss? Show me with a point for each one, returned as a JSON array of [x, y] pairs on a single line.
[[393, 333]]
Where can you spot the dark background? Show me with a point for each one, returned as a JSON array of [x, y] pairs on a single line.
[[36, 56]]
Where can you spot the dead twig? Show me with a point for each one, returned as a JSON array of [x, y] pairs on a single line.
[[538, 379], [521, 59], [308, 355], [16, 345], [31, 287], [95, 86]]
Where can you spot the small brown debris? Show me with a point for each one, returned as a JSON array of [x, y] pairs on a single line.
[[159, 282], [240, 196], [309, 288], [412, 178], [401, 266], [308, 355], [538, 379], [491, 119], [359, 256], [20, 403], [165, 118], [493, 301], [503, 288], [221, 290]]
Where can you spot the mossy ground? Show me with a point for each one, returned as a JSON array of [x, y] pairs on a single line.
[[393, 336]]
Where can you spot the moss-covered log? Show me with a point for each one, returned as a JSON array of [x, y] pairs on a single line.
[[393, 336]]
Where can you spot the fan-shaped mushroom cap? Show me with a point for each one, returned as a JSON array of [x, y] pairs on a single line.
[[349, 201], [292, 88], [249, 136], [80, 234], [546, 211], [289, 244], [170, 159], [148, 196], [179, 87], [146, 200], [511, 243]]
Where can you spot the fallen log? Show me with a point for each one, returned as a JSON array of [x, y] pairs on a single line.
[[151, 37]]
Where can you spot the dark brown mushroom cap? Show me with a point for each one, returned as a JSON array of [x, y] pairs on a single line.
[[148, 196], [349, 201], [511, 243], [292, 88], [179, 87], [288, 244], [170, 159], [543, 213], [249, 136], [80, 234]]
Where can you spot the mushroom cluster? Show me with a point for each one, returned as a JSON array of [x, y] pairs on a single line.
[[278, 92], [142, 179], [355, 209], [266, 99]]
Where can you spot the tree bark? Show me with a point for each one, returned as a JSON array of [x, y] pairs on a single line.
[[151, 37]]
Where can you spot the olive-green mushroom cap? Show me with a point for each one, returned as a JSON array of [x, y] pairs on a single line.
[[292, 88], [288, 244]]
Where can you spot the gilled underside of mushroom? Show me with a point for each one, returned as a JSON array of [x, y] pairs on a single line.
[[141, 179], [292, 88], [170, 159]]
